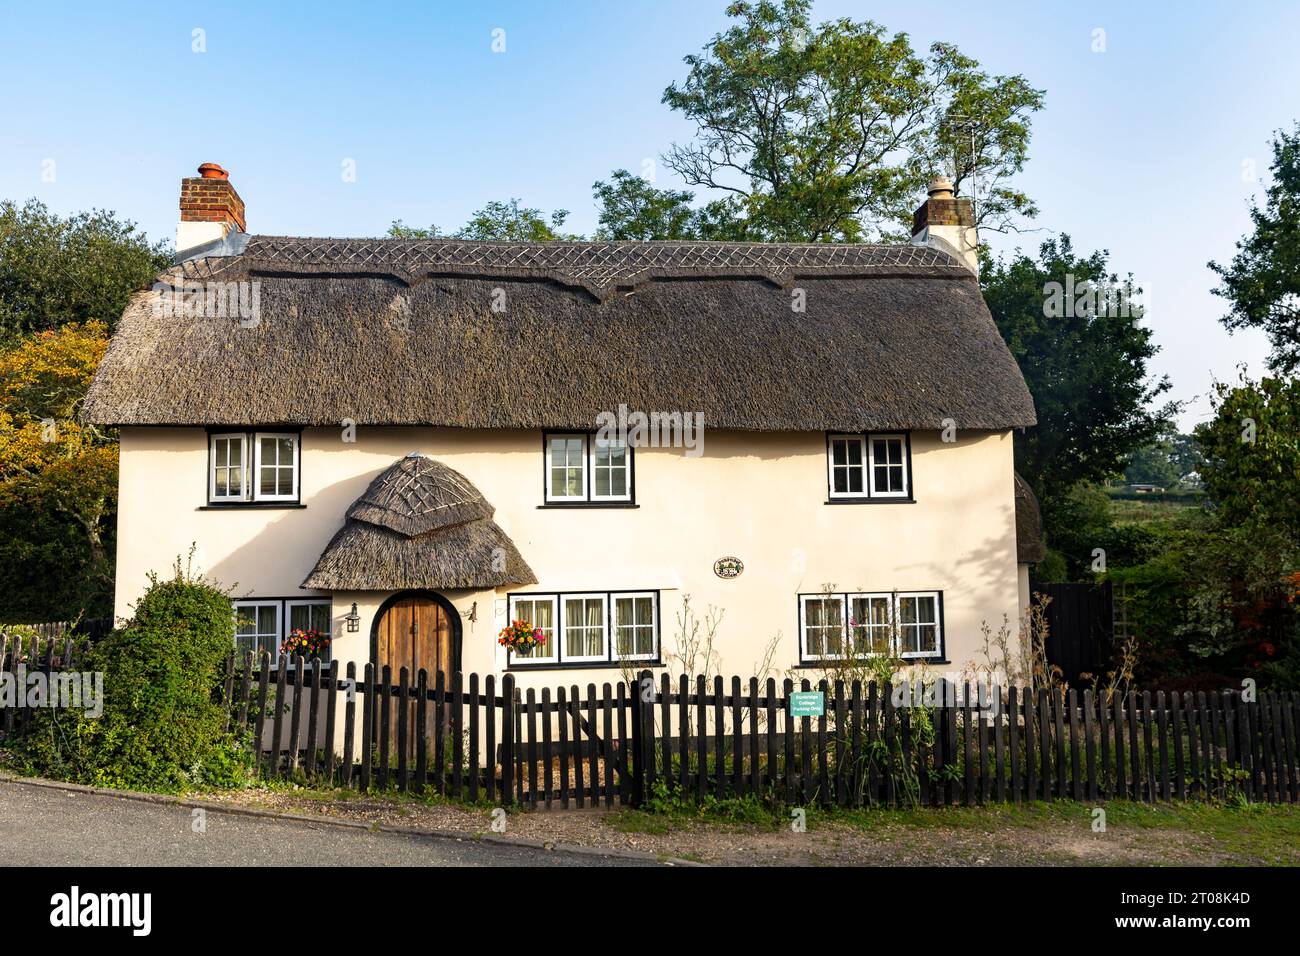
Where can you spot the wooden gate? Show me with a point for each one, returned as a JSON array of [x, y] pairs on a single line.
[[1080, 627]]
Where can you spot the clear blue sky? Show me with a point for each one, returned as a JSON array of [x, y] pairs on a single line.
[[1140, 149]]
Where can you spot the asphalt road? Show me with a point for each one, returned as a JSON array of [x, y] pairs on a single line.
[[97, 830]]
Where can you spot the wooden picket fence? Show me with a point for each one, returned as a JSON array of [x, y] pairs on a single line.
[[50, 650], [695, 739], [698, 739]]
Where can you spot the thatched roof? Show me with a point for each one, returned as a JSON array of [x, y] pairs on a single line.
[[420, 524], [538, 335], [1030, 547], [417, 495]]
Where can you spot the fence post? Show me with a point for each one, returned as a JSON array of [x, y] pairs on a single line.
[[637, 706], [507, 737]]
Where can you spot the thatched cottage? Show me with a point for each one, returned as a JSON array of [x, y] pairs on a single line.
[[410, 444]]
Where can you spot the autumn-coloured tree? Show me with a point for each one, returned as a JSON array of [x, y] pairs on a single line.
[[58, 478]]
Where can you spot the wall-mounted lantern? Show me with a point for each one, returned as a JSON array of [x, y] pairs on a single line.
[[353, 619]]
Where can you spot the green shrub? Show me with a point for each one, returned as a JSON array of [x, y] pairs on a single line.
[[162, 721]]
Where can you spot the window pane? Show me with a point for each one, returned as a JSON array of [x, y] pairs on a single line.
[[602, 483], [540, 614], [565, 456], [907, 610], [584, 627], [926, 641], [847, 469]]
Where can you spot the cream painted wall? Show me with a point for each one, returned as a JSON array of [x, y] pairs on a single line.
[[758, 496]]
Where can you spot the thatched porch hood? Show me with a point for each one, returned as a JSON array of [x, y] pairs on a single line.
[[547, 335], [419, 525]]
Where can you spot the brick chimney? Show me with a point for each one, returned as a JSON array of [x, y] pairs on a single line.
[[210, 211], [947, 223]]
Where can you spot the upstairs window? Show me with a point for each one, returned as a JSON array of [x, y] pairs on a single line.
[[251, 467], [869, 467], [888, 466], [582, 469], [228, 452]]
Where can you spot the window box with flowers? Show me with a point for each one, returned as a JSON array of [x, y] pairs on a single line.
[[310, 643]]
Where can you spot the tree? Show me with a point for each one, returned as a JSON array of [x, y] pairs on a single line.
[[77, 269], [1166, 461], [1084, 357], [829, 134], [1262, 283], [497, 221], [1252, 454], [58, 479], [631, 208], [1247, 581]]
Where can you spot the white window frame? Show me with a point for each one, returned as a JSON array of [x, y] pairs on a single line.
[[258, 494], [551, 496], [608, 655], [831, 466], [592, 445], [938, 625], [803, 626], [889, 624], [243, 466], [617, 596], [604, 656], [872, 438], [254, 603], [286, 628], [556, 634], [895, 622]]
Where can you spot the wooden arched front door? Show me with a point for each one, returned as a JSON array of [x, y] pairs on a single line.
[[417, 629]]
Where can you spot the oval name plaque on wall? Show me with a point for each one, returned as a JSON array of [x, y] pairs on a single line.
[[728, 567]]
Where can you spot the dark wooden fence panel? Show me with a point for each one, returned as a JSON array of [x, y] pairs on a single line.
[[698, 739], [1081, 625]]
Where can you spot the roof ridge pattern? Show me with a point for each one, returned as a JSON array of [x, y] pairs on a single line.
[[599, 266]]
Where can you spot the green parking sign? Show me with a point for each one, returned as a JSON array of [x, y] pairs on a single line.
[[807, 703]]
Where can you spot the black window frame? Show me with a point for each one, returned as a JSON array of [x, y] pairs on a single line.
[[867, 497], [586, 502], [611, 659], [250, 433], [284, 603], [941, 652]]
